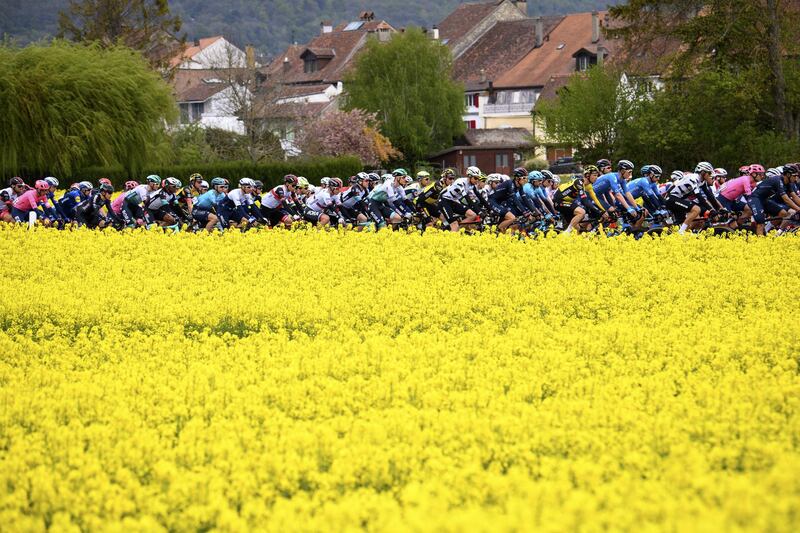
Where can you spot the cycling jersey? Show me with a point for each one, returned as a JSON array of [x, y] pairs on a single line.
[[7, 197], [321, 201], [769, 187], [89, 211], [29, 201], [458, 191], [645, 189], [430, 194], [734, 189], [69, 202], [352, 197], [160, 199], [611, 182], [209, 200], [688, 185], [277, 197]]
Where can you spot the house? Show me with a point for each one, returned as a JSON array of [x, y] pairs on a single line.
[[491, 150], [211, 103], [306, 80], [469, 22], [210, 53]]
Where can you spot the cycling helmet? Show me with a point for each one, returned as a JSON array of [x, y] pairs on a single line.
[[774, 172], [42, 185], [645, 170], [258, 184], [15, 181], [219, 182], [496, 178], [791, 168], [473, 172], [325, 182], [652, 169], [84, 185], [362, 176], [302, 182], [676, 175], [556, 180], [203, 184], [387, 177], [336, 183], [589, 169], [720, 173], [373, 177], [535, 175], [352, 180], [449, 173], [107, 187], [547, 174], [290, 179], [52, 181], [399, 172], [744, 169], [624, 164], [520, 172], [577, 181], [102, 181], [152, 178], [408, 180], [422, 174], [755, 169], [172, 182], [603, 163], [194, 177], [704, 166], [246, 182], [131, 185]]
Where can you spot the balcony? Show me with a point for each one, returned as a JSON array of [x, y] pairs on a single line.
[[501, 109]]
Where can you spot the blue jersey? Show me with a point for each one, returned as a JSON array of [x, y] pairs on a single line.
[[769, 187], [612, 182], [642, 187], [209, 199], [69, 201]]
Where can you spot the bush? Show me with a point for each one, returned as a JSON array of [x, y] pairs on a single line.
[[270, 173], [538, 163]]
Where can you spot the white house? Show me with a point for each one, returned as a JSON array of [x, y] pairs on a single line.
[[212, 104], [210, 53]]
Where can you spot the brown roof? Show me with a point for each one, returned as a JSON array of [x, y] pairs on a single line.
[[200, 93], [193, 50], [463, 19], [186, 78], [294, 91], [491, 139], [320, 52], [555, 56], [499, 49]]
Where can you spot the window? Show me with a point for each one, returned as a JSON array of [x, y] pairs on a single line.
[[471, 124], [584, 61], [471, 100], [500, 161], [470, 161], [184, 113], [310, 65], [197, 111], [526, 96]]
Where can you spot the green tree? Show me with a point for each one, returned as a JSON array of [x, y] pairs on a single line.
[[733, 35], [144, 25], [64, 107], [407, 83], [593, 112]]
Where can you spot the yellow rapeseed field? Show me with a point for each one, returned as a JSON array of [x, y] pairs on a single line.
[[329, 380]]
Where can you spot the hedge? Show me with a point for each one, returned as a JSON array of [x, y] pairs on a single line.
[[271, 173]]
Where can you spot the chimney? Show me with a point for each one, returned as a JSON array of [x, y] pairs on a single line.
[[326, 26], [600, 55], [595, 27], [483, 75], [522, 5], [436, 33], [286, 64], [539, 31], [250, 54]]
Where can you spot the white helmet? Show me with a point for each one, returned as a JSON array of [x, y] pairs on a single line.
[[473, 172], [774, 172], [387, 177], [494, 178], [246, 182], [704, 166], [85, 185], [204, 183], [556, 180], [325, 182], [408, 180], [676, 175], [175, 182], [720, 173]]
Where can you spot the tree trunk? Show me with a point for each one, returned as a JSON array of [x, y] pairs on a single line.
[[782, 122]]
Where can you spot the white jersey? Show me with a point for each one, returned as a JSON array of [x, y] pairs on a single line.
[[320, 201], [276, 197], [7, 195], [239, 198], [688, 184], [144, 192], [458, 190], [159, 199]]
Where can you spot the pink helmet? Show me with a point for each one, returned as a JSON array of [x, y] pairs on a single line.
[[42, 185], [131, 185], [101, 181], [744, 169], [756, 169]]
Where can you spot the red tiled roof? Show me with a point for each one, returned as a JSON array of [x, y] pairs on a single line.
[[463, 18], [193, 50], [499, 49], [552, 59]]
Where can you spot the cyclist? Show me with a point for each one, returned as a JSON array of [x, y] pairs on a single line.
[[15, 188], [770, 198], [29, 206], [72, 198], [52, 210], [452, 200], [573, 203], [277, 206], [611, 190], [792, 188], [318, 206], [89, 212], [207, 207], [551, 183], [162, 205], [687, 198], [235, 208], [428, 199], [385, 201], [351, 201], [538, 200], [720, 177], [646, 188], [505, 199], [733, 194], [604, 166]]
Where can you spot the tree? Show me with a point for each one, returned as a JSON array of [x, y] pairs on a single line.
[[353, 132], [592, 112], [407, 83], [733, 35], [65, 107], [144, 25]]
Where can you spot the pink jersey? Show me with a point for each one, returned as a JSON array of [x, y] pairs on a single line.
[[29, 201], [735, 188], [116, 205]]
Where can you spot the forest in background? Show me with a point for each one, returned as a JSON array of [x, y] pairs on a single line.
[[270, 25]]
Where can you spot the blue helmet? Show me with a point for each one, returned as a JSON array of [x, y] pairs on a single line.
[[645, 169], [535, 175]]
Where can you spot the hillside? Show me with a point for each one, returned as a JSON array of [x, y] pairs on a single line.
[[268, 24]]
